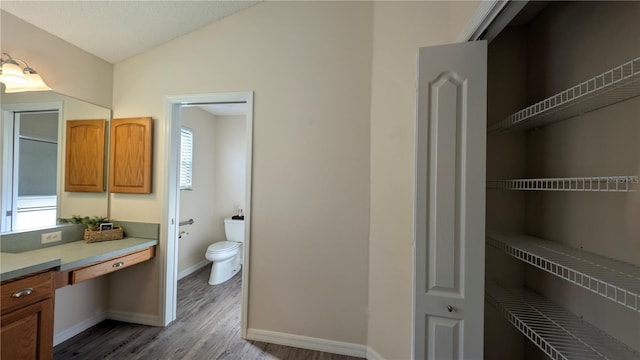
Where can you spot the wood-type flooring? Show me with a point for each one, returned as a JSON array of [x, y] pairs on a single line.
[[207, 327]]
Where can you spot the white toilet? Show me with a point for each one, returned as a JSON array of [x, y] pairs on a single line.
[[226, 255]]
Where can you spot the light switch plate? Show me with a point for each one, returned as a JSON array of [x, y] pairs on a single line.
[[51, 237]]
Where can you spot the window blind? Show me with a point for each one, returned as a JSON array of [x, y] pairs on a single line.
[[186, 158]]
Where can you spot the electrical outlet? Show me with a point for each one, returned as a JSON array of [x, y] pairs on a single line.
[[51, 237]]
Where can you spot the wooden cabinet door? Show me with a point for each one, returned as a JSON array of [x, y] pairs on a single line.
[[130, 155], [28, 333], [84, 161], [26, 320]]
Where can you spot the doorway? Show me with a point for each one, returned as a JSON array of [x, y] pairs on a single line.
[[171, 205], [30, 157], [212, 178]]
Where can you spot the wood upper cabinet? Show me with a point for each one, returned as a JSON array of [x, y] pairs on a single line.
[[130, 155], [84, 161]]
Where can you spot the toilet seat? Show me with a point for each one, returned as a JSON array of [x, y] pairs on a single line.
[[222, 246]]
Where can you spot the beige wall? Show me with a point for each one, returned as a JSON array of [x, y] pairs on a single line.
[[230, 166], [459, 15], [64, 67], [79, 306], [309, 65], [198, 203]]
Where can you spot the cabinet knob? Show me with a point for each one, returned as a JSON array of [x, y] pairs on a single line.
[[118, 264], [21, 293], [449, 308]]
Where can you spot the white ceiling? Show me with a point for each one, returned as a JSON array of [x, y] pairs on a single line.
[[116, 30]]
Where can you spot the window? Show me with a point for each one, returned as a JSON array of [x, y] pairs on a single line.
[[186, 158]]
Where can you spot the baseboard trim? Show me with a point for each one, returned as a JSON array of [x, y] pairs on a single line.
[[76, 329], [373, 355], [136, 318], [191, 269], [305, 342]]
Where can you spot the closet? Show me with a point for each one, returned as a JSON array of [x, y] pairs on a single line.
[[563, 201]]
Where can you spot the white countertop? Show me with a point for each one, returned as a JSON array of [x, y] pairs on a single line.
[[67, 256]]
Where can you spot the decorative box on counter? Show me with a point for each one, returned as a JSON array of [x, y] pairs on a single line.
[[103, 235], [99, 228]]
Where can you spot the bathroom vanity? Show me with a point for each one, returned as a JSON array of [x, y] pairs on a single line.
[[29, 280], [27, 317]]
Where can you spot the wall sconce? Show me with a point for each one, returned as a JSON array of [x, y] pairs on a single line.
[[17, 78]]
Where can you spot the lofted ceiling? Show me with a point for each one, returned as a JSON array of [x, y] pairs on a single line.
[[117, 30]]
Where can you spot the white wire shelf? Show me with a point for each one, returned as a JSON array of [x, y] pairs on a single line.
[[615, 280], [556, 331], [601, 183], [618, 84]]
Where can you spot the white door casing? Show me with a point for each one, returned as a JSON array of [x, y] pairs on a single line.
[[169, 233], [450, 202]]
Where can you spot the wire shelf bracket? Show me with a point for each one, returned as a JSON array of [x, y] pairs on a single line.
[[590, 184], [556, 331], [615, 280], [618, 84]]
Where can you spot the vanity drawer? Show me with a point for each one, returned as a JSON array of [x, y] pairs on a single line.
[[26, 291], [112, 265]]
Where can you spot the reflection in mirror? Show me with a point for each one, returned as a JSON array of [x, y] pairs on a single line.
[[32, 131], [34, 200]]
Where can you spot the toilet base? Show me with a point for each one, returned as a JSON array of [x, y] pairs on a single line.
[[221, 272]]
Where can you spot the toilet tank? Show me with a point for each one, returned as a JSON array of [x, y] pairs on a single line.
[[234, 230]]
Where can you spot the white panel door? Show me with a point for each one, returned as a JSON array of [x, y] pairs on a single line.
[[450, 201]]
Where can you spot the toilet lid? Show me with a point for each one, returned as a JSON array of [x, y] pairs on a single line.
[[222, 246]]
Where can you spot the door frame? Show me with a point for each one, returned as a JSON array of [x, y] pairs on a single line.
[[491, 17], [171, 202]]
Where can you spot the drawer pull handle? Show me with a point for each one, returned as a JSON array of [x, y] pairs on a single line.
[[118, 264], [21, 293]]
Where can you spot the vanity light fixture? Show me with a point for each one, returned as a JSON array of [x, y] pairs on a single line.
[[17, 78]]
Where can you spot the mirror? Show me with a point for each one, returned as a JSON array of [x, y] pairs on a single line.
[[32, 155]]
